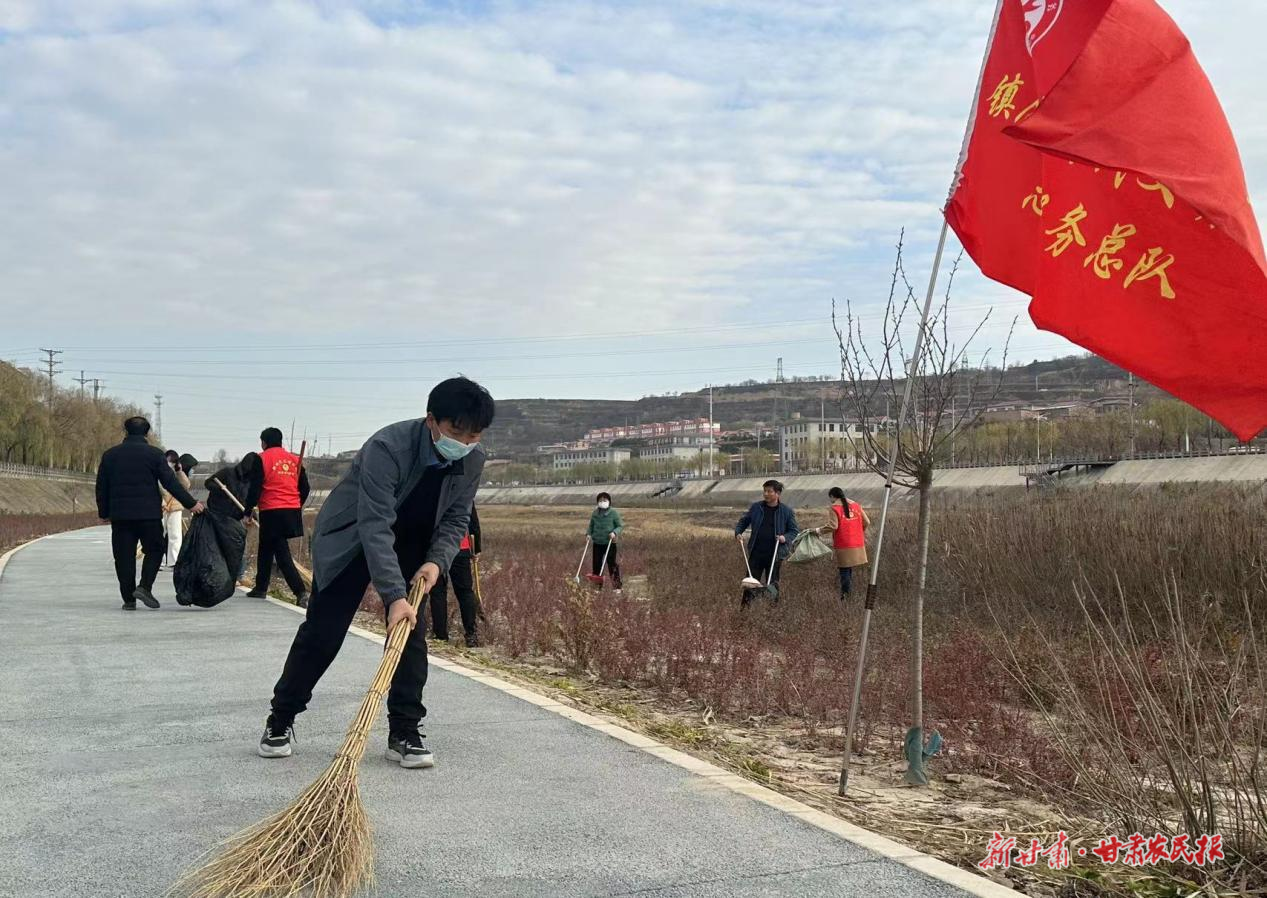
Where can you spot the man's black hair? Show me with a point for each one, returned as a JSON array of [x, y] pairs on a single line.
[[463, 403], [602, 496], [774, 485], [136, 426], [271, 437], [172, 455]]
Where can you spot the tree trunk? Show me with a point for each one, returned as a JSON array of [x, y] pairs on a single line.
[[915, 774]]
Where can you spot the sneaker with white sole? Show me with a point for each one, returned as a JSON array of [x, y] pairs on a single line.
[[407, 750], [277, 739]]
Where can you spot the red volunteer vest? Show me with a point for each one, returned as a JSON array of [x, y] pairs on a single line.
[[281, 479], [466, 543], [848, 530]]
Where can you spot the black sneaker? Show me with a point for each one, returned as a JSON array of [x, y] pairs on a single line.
[[129, 606], [145, 597], [256, 595], [408, 750], [278, 735], [302, 600]]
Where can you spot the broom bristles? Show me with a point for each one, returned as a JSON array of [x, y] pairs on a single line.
[[321, 845]]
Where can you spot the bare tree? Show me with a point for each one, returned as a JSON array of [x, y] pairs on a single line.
[[947, 398]]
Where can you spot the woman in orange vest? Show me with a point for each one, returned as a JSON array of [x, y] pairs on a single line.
[[282, 497], [848, 523]]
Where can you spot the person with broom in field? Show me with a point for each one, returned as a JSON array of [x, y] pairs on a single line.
[[281, 500], [398, 516], [128, 481], [774, 526]]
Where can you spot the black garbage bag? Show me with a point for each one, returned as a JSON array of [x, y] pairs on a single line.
[[210, 558]]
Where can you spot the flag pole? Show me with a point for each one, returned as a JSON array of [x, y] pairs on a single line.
[[895, 449]]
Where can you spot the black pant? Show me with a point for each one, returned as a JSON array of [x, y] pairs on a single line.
[[274, 544], [759, 561], [846, 581], [464, 588], [124, 535], [330, 613], [613, 562]]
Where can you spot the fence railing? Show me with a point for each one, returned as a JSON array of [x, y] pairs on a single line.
[[32, 472]]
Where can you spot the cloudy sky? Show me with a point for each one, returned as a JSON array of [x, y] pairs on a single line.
[[313, 211]]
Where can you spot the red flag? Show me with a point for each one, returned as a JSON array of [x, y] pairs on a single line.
[[1100, 176]]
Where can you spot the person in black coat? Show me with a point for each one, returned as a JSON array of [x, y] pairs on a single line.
[[462, 576], [128, 499]]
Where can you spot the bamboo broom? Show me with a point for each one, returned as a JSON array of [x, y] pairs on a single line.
[[321, 845]]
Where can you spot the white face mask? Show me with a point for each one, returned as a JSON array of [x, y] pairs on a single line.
[[604, 505]]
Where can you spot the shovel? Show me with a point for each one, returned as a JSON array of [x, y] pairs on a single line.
[[598, 578], [584, 552], [748, 582]]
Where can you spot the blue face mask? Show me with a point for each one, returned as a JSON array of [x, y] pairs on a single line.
[[452, 449]]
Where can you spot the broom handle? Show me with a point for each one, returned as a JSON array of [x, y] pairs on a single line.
[[602, 570], [584, 552], [358, 733], [233, 498], [746, 563]]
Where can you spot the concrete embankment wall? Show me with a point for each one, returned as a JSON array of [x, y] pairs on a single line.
[[803, 489], [37, 496]]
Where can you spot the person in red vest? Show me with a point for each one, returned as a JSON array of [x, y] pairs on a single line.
[[848, 524], [282, 497], [462, 577]]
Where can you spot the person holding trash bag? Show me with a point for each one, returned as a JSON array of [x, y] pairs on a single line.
[[281, 503], [773, 524], [848, 524], [213, 552], [461, 574], [128, 478], [397, 516], [245, 480], [173, 511], [604, 531]]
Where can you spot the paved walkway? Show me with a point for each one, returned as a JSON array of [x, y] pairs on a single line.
[[127, 747]]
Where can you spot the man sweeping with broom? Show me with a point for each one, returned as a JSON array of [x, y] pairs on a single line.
[[397, 516]]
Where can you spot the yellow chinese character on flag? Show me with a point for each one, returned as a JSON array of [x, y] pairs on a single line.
[[1102, 260], [1003, 100], [1037, 201], [1152, 265], [1167, 195], [1067, 232]]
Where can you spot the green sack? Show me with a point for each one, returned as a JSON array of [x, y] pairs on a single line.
[[808, 546]]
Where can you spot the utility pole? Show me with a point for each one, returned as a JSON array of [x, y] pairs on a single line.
[[158, 416], [53, 368], [712, 469], [97, 384], [1131, 377], [82, 381]]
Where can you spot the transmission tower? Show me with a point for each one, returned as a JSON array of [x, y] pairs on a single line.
[[158, 416]]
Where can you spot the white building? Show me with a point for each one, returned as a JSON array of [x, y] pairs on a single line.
[[661, 448], [564, 461], [806, 445]]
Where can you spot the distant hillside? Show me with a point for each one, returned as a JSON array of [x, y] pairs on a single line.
[[524, 424]]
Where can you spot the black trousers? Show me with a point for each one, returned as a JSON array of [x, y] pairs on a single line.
[[846, 581], [612, 553], [463, 580], [124, 535], [274, 544], [330, 613], [760, 562]]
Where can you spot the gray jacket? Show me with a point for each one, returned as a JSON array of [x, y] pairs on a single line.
[[359, 513]]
